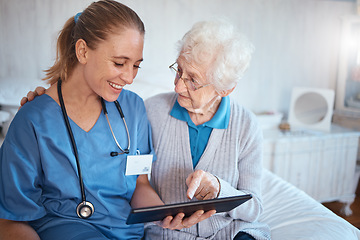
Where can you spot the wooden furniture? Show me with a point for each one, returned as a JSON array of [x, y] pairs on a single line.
[[323, 164]]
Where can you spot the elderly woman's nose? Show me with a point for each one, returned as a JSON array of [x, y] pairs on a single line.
[[180, 85]]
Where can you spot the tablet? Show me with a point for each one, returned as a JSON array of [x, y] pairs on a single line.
[[158, 213]]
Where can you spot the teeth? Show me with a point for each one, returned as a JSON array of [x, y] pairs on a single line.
[[115, 86]]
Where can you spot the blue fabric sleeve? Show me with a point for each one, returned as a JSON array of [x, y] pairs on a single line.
[[21, 176]]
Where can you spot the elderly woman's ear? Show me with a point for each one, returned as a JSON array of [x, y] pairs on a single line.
[[224, 93]]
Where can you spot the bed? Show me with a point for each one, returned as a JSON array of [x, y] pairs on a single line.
[[293, 215]]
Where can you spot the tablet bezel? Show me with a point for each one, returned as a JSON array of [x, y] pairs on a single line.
[[158, 213]]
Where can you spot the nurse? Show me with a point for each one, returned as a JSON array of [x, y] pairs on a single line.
[[66, 161]]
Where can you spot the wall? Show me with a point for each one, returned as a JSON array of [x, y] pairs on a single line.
[[297, 42]]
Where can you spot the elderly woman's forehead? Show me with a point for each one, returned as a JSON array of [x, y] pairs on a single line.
[[192, 69], [192, 64]]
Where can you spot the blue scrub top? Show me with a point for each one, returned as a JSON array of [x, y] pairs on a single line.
[[39, 178], [199, 135]]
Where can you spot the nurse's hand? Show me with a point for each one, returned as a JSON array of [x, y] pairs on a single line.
[[31, 95], [202, 185], [179, 222]]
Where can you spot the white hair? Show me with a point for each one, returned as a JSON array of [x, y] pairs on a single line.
[[217, 43]]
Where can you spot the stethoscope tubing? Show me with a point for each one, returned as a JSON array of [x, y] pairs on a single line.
[[73, 143], [112, 132]]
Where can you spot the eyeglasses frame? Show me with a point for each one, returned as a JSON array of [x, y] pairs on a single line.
[[179, 76]]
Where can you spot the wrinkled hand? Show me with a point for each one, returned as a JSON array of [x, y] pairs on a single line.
[[179, 222], [31, 95], [202, 185]]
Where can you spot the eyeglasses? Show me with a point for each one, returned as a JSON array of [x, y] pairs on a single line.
[[191, 84]]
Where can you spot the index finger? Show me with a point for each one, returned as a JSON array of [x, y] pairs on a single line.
[[193, 185]]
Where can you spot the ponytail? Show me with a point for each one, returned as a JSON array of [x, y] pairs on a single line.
[[65, 55]]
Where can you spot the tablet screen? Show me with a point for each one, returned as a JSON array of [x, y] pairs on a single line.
[[158, 213]]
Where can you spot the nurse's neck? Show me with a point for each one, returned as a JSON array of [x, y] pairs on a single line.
[[82, 104], [76, 91]]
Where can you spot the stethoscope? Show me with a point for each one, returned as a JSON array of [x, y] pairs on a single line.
[[85, 209]]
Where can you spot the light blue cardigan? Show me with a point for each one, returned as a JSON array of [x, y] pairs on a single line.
[[234, 155]]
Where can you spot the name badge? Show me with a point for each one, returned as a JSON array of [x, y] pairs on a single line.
[[138, 164]]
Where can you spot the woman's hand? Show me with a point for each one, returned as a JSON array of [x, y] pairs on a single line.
[[202, 185], [31, 95], [179, 222]]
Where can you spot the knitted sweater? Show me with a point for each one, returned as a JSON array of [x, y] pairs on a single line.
[[234, 155]]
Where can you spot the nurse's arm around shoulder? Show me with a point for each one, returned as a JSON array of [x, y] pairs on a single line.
[[16, 230]]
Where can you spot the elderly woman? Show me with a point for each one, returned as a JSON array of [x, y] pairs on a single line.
[[207, 145]]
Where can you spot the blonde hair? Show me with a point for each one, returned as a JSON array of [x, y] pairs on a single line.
[[94, 24], [218, 43]]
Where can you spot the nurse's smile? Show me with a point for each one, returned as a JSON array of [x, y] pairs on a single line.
[[116, 86]]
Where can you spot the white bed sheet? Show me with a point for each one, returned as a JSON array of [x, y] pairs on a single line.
[[293, 215]]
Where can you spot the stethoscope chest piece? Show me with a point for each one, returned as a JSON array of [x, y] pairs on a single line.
[[85, 209]]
